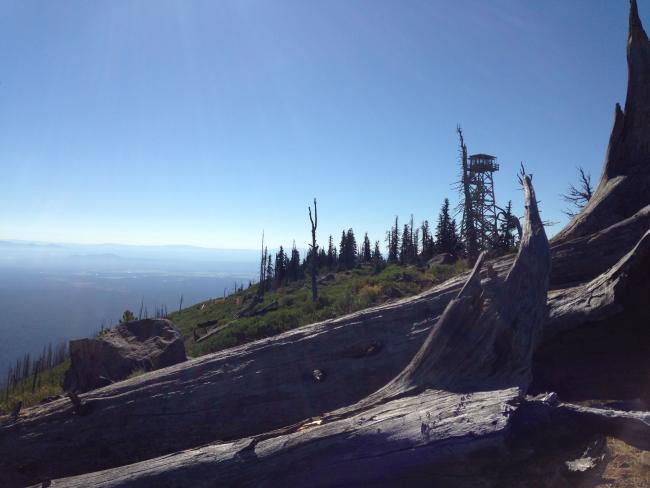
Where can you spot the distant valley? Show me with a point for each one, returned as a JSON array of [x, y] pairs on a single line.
[[56, 292]]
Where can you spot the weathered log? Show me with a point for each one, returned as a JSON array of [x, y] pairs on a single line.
[[624, 184], [436, 438], [545, 410], [481, 342], [249, 389], [246, 390], [485, 340], [377, 447], [624, 287]]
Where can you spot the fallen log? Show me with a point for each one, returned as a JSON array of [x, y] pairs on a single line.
[[377, 447], [252, 388], [243, 391], [481, 342], [625, 287]]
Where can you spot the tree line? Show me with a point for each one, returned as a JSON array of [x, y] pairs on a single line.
[[406, 245]]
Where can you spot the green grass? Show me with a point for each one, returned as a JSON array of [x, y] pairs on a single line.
[[350, 291], [49, 384]]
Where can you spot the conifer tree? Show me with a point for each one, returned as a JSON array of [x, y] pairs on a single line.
[[366, 253], [269, 271], [377, 259], [393, 243], [348, 250], [428, 244], [280, 267], [342, 249], [294, 264], [331, 254], [415, 244], [406, 248], [446, 234], [507, 240]]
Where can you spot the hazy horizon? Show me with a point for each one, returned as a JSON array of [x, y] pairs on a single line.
[[57, 292]]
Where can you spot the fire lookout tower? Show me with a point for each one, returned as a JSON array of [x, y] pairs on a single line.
[[481, 188], [479, 224]]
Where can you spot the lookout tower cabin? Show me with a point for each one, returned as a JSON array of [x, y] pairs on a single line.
[[483, 163], [481, 188]]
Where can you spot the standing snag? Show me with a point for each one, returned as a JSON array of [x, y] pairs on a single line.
[[578, 196], [314, 252]]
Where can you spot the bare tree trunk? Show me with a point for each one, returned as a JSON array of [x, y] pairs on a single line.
[[314, 252]]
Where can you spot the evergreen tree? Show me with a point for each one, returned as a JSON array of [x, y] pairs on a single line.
[[415, 245], [343, 245], [348, 251], [366, 253], [407, 249], [377, 259], [393, 243], [428, 244], [446, 233], [507, 239], [331, 255], [269, 271], [294, 264], [280, 267]]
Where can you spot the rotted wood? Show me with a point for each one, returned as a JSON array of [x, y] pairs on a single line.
[[625, 287]]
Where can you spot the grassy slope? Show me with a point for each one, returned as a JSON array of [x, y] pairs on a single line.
[[347, 292], [49, 384]]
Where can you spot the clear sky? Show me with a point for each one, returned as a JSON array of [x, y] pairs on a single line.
[[204, 122]]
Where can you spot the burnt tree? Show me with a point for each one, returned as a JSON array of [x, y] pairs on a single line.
[[314, 252]]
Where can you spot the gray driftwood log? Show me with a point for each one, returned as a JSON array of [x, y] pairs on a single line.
[[453, 397], [269, 384]]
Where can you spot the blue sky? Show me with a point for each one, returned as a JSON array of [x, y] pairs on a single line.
[[204, 122]]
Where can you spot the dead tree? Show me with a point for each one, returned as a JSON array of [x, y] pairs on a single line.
[[578, 196], [468, 222], [314, 252], [260, 288], [624, 185]]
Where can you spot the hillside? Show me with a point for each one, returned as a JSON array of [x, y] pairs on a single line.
[[340, 293], [291, 306]]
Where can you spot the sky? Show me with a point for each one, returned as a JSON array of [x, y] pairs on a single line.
[[207, 122]]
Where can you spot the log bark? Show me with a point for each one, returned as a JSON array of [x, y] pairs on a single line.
[[625, 287], [380, 446]]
